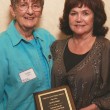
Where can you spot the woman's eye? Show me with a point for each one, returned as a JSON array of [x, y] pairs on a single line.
[[73, 14], [35, 5], [85, 13], [23, 5]]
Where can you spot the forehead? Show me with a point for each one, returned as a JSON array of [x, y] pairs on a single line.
[[83, 7], [78, 3], [28, 0]]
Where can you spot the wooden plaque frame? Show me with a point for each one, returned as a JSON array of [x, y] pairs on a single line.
[[58, 98]]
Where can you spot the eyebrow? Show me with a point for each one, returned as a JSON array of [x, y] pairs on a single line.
[[73, 10]]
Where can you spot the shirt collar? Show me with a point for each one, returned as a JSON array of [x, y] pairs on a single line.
[[15, 35], [37, 35]]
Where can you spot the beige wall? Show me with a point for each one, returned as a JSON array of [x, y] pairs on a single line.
[[50, 17]]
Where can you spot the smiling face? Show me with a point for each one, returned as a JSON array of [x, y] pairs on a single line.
[[26, 18], [81, 20]]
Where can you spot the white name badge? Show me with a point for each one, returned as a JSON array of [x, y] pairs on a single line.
[[27, 75]]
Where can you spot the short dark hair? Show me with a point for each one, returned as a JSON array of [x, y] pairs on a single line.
[[97, 6], [14, 2]]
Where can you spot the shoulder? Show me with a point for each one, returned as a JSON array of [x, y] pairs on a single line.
[[4, 39], [104, 45], [4, 43], [40, 30], [3, 34], [58, 45], [105, 42], [44, 34]]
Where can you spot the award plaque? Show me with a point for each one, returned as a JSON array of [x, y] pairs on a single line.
[[58, 98]]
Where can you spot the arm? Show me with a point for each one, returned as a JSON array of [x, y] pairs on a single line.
[[3, 78], [57, 78], [53, 57], [102, 91], [102, 99]]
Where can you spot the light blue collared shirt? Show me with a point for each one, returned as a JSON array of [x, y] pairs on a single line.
[[18, 55]]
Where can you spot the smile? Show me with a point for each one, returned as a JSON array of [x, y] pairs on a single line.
[[29, 18], [79, 25]]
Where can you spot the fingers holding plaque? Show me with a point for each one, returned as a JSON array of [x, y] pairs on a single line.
[[55, 99]]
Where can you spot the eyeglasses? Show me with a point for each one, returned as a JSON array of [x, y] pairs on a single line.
[[25, 6]]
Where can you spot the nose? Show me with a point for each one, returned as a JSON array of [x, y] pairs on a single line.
[[30, 10], [79, 18]]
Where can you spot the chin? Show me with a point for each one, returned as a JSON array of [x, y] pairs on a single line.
[[29, 27]]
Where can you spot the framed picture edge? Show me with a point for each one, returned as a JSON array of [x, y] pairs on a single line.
[[38, 95]]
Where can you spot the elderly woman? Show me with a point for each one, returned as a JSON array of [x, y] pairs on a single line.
[[82, 61], [25, 57]]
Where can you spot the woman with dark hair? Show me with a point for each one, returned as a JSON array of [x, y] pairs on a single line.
[[99, 18], [25, 65], [82, 61]]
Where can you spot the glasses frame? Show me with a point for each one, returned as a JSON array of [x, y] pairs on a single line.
[[38, 7]]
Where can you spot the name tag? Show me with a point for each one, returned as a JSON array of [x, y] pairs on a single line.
[[27, 75]]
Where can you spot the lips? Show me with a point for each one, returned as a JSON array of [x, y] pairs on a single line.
[[29, 18], [77, 25]]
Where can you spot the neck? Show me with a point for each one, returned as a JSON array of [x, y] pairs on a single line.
[[26, 33], [83, 39], [81, 45]]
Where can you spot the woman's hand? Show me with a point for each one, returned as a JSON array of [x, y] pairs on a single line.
[[91, 107]]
